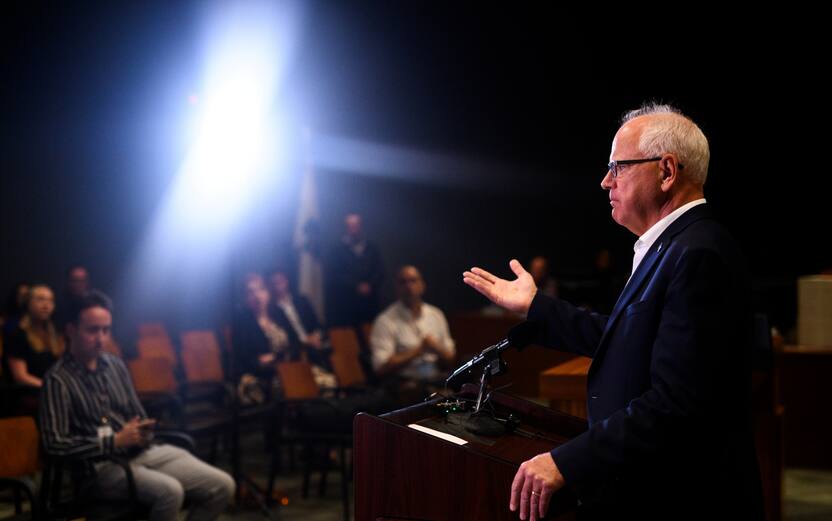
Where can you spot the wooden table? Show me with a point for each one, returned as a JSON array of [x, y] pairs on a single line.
[[565, 386], [805, 388]]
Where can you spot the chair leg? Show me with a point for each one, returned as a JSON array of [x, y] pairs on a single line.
[[273, 469], [277, 454], [18, 501], [345, 496], [307, 468], [326, 463]]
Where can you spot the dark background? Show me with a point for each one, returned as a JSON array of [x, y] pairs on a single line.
[[91, 94]]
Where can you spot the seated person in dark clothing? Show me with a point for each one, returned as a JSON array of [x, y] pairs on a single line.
[[89, 412], [295, 314], [36, 343], [296, 311], [15, 308], [259, 342], [306, 337], [77, 286]]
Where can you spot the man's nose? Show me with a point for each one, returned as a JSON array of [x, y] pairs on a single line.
[[606, 182]]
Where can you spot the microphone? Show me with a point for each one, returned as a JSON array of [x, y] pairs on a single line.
[[518, 337]]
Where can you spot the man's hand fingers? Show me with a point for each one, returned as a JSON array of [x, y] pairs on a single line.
[[516, 487], [525, 495], [543, 501], [484, 274], [533, 508], [517, 268], [479, 285]]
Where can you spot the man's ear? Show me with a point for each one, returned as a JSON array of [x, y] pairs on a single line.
[[669, 167], [70, 329]]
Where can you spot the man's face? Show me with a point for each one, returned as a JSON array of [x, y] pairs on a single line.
[[539, 269], [280, 284], [409, 284], [91, 333], [78, 282], [352, 225], [635, 195], [257, 296], [41, 303], [22, 294]]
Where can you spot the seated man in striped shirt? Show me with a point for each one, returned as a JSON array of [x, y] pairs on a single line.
[[89, 410]]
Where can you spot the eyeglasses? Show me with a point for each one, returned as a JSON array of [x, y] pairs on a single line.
[[614, 167]]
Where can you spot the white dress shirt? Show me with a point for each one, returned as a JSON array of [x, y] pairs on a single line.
[[396, 330], [642, 245]]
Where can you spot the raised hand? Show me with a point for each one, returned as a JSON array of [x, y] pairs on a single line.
[[514, 295]]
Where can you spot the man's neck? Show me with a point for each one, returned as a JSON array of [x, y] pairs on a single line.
[[671, 205], [90, 363], [415, 307]]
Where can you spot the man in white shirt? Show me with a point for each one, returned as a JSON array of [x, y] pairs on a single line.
[[410, 339]]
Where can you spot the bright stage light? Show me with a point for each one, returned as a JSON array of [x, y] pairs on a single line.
[[236, 143], [234, 156]]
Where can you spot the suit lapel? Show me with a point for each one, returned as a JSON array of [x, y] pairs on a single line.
[[646, 268]]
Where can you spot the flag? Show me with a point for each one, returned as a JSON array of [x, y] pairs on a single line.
[[307, 240]]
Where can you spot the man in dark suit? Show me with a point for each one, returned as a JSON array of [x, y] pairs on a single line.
[[355, 273], [669, 387], [294, 312]]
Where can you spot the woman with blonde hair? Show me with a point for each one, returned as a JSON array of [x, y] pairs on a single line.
[[36, 343]]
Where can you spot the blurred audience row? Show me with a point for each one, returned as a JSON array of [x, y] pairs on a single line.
[[405, 348]]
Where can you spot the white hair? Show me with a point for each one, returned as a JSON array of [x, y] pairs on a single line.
[[670, 131]]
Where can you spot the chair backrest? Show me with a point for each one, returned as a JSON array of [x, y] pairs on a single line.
[[201, 357], [152, 375], [297, 380], [19, 445], [344, 341], [153, 329], [156, 347], [348, 371], [367, 331]]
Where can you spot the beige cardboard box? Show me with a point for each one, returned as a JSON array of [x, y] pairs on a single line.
[[814, 311]]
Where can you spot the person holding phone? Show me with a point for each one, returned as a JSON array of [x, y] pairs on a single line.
[[90, 411]]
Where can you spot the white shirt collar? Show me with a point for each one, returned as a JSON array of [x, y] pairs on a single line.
[[649, 237]]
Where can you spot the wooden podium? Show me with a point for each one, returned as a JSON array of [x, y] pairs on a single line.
[[405, 474]]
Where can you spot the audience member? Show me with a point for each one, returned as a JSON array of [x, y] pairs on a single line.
[[35, 345], [259, 342], [539, 270], [410, 339], [90, 411], [355, 274], [297, 316], [77, 285]]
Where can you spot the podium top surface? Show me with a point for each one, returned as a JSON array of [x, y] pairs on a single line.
[[540, 429]]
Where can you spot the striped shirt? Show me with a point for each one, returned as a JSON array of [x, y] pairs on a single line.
[[75, 402]]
